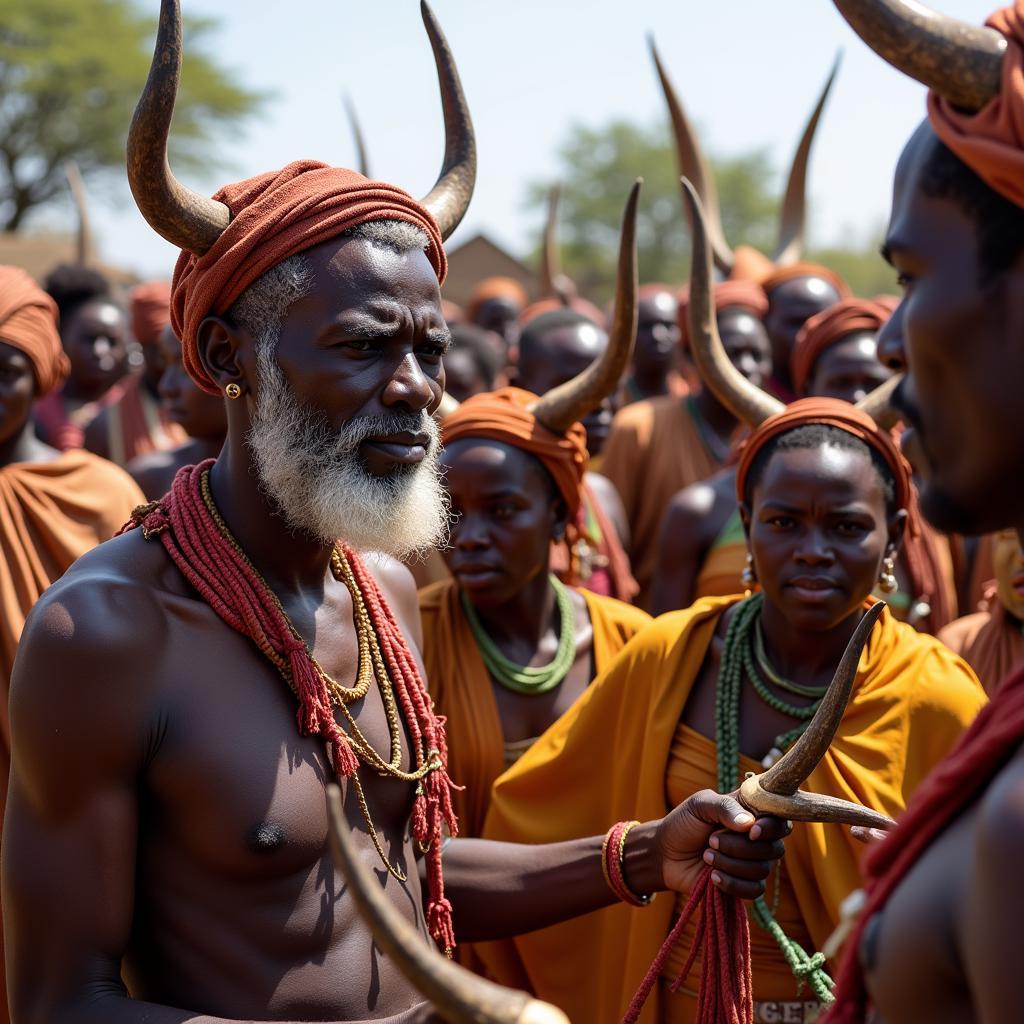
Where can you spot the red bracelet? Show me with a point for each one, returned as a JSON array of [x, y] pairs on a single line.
[[613, 852]]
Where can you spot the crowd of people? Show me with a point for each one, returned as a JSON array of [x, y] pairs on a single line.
[[669, 656]]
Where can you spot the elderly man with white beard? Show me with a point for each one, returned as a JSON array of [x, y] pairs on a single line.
[[165, 850]]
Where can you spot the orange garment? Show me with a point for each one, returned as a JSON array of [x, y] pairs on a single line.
[[676, 385], [463, 692], [137, 424], [606, 760], [28, 322], [151, 311], [720, 573], [654, 450], [491, 288], [795, 271], [828, 327], [991, 642], [991, 141], [274, 216]]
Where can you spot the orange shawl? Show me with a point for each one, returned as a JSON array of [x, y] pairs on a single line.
[[605, 760], [990, 642]]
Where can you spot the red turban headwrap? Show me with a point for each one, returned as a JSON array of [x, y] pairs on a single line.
[[991, 141], [491, 288], [28, 322], [275, 216], [731, 294], [504, 415], [826, 328], [151, 310], [582, 306], [799, 270], [750, 264], [830, 412]]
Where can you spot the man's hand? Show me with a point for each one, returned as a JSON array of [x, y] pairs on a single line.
[[710, 829]]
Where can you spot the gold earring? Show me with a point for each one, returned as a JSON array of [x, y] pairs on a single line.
[[233, 391], [887, 581], [748, 577]]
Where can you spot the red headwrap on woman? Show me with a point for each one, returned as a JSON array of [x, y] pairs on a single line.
[[275, 216], [151, 310], [28, 322], [991, 141], [797, 270], [826, 328], [495, 288]]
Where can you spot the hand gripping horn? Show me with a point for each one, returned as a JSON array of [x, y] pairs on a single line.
[[962, 62], [83, 239], [362, 161], [746, 401], [777, 790], [562, 406], [194, 222], [458, 995]]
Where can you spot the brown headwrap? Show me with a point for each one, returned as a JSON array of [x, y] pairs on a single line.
[[991, 141], [275, 216], [495, 288], [582, 306], [28, 322], [729, 294], [826, 328], [151, 310], [830, 412], [798, 270]]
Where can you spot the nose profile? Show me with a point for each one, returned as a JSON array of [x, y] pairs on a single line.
[[890, 342]]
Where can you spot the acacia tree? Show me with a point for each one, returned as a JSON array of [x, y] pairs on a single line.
[[70, 75]]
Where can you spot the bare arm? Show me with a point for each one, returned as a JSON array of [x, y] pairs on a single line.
[[504, 889], [688, 529]]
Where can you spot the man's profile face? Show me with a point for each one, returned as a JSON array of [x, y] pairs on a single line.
[[959, 339]]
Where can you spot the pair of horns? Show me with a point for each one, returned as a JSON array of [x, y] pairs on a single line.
[[745, 400], [962, 62], [457, 995], [694, 165], [554, 283], [195, 222]]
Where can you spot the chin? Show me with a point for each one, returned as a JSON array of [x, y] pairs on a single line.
[[814, 616]]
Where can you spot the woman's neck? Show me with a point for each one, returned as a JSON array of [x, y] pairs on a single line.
[[519, 624]]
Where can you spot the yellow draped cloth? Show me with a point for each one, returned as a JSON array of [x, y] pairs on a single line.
[[462, 689], [606, 760]]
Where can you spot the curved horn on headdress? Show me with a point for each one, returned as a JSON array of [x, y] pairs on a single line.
[[962, 62], [458, 995], [794, 204], [83, 240], [561, 407], [878, 405], [694, 166], [184, 217], [746, 401], [362, 163], [777, 790], [553, 283], [449, 199]]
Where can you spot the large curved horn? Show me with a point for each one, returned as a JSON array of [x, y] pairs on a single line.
[[746, 401], [571, 401], [362, 162], [777, 790], [794, 205], [458, 995], [962, 62], [878, 405], [552, 282], [449, 199], [694, 166], [184, 217], [83, 239]]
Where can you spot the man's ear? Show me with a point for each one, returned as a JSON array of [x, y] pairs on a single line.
[[220, 345]]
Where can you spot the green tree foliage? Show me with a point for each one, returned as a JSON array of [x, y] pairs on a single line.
[[70, 75]]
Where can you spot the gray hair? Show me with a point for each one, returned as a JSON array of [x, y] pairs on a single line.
[[262, 307]]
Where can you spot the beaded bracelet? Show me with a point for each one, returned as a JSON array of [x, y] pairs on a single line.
[[613, 852]]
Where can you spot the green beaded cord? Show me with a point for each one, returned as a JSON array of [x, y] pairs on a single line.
[[737, 660], [523, 678]]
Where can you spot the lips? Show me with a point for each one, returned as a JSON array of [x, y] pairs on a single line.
[[403, 447], [474, 573], [813, 583]]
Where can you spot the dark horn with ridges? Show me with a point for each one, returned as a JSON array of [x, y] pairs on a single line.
[[571, 401], [449, 199], [694, 166], [747, 402], [179, 214], [792, 220], [362, 160], [777, 790], [458, 996], [962, 62]]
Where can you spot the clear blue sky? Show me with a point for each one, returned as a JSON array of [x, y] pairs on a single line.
[[748, 71]]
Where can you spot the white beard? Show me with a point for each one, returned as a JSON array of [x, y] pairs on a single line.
[[317, 478]]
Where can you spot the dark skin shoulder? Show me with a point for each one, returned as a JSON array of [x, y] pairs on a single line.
[[693, 520]]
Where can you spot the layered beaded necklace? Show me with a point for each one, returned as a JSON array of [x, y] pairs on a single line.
[[743, 654], [524, 678]]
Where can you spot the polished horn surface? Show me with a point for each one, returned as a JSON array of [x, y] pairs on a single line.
[[362, 160]]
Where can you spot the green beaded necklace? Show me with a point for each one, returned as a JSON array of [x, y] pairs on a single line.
[[737, 660], [523, 678]]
